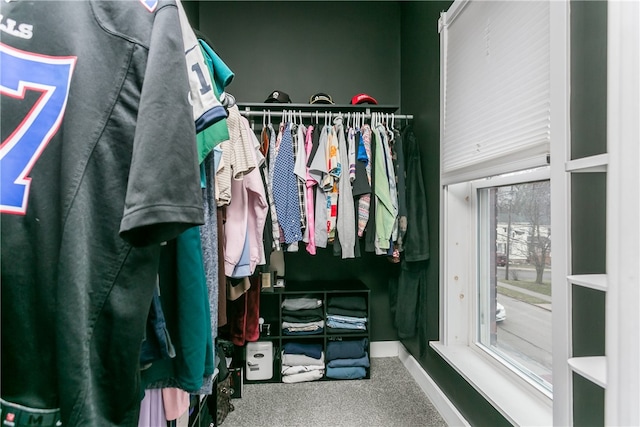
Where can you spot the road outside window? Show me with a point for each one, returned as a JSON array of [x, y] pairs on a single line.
[[514, 268]]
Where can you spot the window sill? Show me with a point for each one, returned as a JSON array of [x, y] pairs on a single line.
[[520, 404]]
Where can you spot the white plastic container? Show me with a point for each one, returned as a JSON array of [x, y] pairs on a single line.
[[259, 364]]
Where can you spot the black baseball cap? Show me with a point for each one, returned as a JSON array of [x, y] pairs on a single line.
[[321, 98], [278, 96]]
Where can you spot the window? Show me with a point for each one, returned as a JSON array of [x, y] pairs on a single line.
[[504, 79], [514, 276], [492, 333]]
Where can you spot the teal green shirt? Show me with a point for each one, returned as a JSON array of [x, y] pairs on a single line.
[[221, 76], [185, 303]]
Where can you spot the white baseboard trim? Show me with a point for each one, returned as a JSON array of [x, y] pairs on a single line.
[[384, 348], [447, 410]]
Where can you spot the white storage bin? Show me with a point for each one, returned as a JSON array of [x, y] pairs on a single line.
[[259, 364]]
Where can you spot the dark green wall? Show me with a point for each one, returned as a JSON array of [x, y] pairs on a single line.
[[192, 9], [588, 407], [302, 48], [588, 201], [588, 78], [421, 97]]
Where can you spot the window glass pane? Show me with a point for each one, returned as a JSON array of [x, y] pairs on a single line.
[[514, 276]]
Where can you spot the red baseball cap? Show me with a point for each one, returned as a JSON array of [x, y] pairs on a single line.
[[363, 98]]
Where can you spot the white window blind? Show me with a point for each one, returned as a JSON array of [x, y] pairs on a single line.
[[495, 94]]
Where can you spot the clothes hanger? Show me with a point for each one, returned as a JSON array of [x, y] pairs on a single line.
[[264, 135], [227, 100]]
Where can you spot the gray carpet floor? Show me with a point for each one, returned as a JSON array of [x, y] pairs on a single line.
[[391, 397]]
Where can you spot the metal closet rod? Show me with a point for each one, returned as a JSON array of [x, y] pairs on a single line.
[[320, 114]]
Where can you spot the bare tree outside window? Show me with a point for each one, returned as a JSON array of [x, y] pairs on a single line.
[[526, 210], [515, 284]]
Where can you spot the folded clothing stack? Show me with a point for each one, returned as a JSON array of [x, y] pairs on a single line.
[[302, 316], [302, 362], [347, 313], [347, 359]]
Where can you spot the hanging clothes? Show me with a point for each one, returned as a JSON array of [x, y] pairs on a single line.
[[346, 217], [409, 289], [318, 170], [366, 157], [176, 403], [270, 134], [209, 243], [186, 308], [152, 412], [392, 180], [397, 154], [330, 180], [416, 242], [386, 212], [351, 148], [244, 314], [285, 189], [221, 76], [360, 187], [247, 211], [341, 163], [310, 183], [300, 170]]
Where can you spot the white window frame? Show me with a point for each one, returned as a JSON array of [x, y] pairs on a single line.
[[622, 340], [540, 174], [515, 395], [519, 399]]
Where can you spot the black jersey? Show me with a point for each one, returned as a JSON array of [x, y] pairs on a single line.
[[98, 167]]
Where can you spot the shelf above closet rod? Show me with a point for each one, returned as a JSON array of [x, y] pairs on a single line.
[[274, 106], [319, 114]]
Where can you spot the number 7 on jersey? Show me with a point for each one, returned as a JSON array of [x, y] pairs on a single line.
[[51, 76]]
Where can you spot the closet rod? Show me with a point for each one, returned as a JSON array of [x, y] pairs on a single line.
[[320, 114]]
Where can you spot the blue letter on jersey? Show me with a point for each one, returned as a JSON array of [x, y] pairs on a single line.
[[21, 71]]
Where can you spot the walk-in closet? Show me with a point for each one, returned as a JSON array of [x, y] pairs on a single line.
[[320, 213]]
